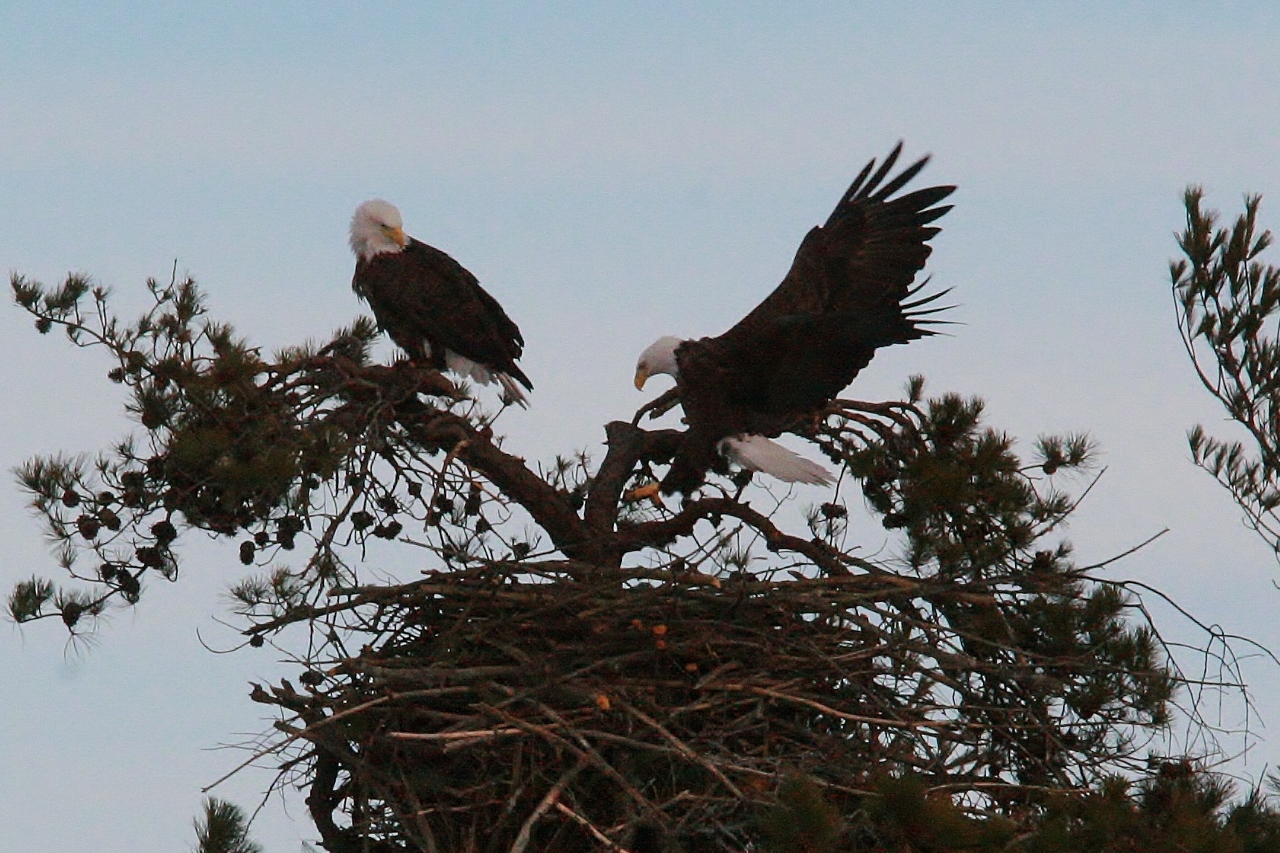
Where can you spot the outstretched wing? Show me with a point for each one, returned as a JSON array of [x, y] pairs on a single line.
[[866, 255], [422, 293], [849, 292]]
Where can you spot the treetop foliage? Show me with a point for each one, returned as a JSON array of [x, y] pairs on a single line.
[[223, 829], [1228, 304]]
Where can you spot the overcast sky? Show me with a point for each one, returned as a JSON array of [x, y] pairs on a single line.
[[612, 172]]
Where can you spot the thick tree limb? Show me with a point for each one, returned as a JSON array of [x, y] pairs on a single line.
[[628, 444]]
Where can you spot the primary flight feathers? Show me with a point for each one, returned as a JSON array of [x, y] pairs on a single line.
[[434, 309], [849, 292]]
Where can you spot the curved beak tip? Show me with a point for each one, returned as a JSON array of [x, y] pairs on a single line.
[[642, 376]]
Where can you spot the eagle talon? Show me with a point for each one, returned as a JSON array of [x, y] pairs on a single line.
[[650, 491], [658, 406], [658, 411]]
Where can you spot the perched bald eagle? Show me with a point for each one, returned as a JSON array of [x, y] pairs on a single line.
[[431, 306], [848, 293]]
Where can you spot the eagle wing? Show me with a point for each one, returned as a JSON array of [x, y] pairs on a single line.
[[867, 253], [849, 292]]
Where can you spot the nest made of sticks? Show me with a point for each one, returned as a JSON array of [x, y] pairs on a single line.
[[495, 710]]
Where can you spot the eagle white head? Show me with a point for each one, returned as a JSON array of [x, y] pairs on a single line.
[[376, 228], [659, 357]]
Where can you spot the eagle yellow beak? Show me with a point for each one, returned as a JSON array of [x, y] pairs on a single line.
[[396, 234], [642, 376]]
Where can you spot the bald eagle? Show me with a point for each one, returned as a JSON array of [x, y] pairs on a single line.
[[434, 309], [848, 293]]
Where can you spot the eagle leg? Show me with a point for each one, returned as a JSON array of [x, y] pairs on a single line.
[[658, 406], [810, 424]]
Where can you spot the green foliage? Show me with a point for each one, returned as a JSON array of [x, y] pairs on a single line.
[[223, 829], [975, 514], [803, 821], [29, 598], [231, 442], [1176, 808], [959, 491], [1173, 809], [1228, 301], [902, 813]]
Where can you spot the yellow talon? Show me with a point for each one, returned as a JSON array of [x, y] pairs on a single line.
[[649, 491]]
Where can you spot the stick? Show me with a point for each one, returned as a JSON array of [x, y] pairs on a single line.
[[682, 747], [526, 829], [465, 735], [590, 827]]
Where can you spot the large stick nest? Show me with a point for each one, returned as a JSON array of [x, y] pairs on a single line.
[[501, 711], [558, 714]]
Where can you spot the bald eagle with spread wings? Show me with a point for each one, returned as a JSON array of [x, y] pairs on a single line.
[[849, 292], [429, 304]]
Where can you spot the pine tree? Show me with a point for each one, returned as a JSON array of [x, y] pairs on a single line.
[[568, 670]]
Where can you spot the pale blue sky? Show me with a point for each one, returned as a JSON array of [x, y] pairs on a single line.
[[612, 172]]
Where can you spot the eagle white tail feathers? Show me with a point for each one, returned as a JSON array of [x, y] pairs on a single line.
[[761, 454], [468, 369], [513, 390]]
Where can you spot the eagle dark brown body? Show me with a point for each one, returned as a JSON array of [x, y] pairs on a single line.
[[422, 295]]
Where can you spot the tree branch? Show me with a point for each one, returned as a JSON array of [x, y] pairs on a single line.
[[655, 534]]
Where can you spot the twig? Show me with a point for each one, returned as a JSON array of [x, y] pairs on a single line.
[[552, 796], [590, 827], [827, 709], [682, 747], [481, 734]]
